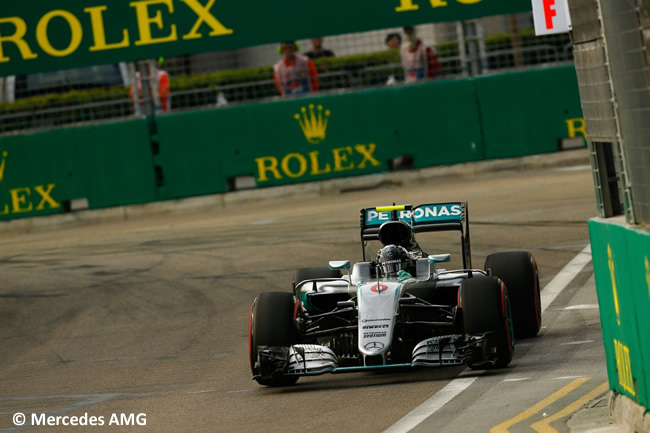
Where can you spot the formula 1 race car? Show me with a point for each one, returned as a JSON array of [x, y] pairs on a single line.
[[397, 311]]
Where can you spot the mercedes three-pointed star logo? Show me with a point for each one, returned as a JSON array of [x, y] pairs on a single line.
[[374, 345]]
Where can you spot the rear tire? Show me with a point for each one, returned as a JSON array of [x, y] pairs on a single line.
[[271, 323], [518, 270], [485, 309]]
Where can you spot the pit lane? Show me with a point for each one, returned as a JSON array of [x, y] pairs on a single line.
[[151, 315]]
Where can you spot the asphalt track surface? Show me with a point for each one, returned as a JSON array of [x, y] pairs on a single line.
[[150, 316]]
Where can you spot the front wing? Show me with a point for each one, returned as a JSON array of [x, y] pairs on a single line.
[[313, 359]]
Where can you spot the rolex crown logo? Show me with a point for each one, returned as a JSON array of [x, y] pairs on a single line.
[[2, 165], [313, 123]]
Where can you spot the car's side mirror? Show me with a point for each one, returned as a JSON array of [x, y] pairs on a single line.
[[339, 264], [439, 258]]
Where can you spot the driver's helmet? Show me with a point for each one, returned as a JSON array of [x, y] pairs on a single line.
[[391, 259]]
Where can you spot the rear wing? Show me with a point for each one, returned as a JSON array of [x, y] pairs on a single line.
[[431, 217]]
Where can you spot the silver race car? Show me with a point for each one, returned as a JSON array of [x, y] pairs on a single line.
[[397, 308]]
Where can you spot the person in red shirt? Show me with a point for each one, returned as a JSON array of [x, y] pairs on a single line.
[[159, 80], [294, 74], [420, 62]]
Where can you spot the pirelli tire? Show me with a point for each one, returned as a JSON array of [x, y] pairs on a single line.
[[314, 273], [485, 308], [271, 324], [518, 270]]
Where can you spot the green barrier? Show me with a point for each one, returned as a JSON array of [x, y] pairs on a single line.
[[622, 271], [639, 267], [323, 137], [288, 141], [109, 165], [525, 113]]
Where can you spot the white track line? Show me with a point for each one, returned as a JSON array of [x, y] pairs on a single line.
[[565, 276], [458, 385], [426, 409]]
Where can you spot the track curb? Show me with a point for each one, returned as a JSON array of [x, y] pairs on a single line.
[[628, 414]]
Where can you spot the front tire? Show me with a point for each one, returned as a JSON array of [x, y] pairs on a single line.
[[486, 310], [518, 270], [271, 324]]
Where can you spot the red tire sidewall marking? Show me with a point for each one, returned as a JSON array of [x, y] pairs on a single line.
[[538, 319], [250, 334], [505, 320], [296, 306]]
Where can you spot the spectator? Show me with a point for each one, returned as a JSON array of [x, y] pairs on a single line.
[[159, 87], [420, 62], [393, 41], [294, 74], [317, 50]]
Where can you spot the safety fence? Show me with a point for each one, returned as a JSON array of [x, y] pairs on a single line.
[[295, 140]]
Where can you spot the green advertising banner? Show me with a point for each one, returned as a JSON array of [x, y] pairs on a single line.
[[72, 33], [106, 165], [537, 107], [311, 139], [323, 137], [288, 141], [622, 272]]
